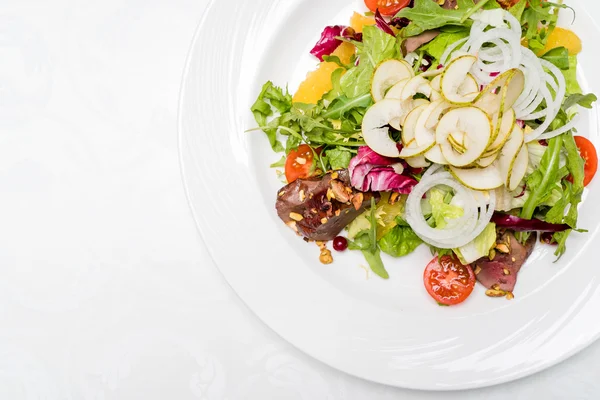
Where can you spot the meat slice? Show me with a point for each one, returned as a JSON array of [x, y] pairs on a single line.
[[413, 43], [501, 272], [319, 208]]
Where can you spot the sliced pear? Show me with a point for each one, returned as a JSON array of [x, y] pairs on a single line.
[[395, 91], [457, 141], [436, 114], [435, 155], [502, 92], [454, 76], [418, 162], [509, 154], [469, 86], [503, 131], [410, 124], [479, 178], [423, 134], [435, 95], [485, 162], [387, 74], [374, 127], [477, 129], [432, 72], [407, 107], [418, 84], [415, 151], [519, 169], [436, 83]]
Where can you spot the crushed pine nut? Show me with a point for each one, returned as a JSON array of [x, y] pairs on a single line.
[[301, 160], [330, 194], [282, 193], [495, 293], [508, 240], [324, 220], [296, 217], [496, 287], [514, 259], [322, 245], [338, 212], [394, 198], [502, 248], [441, 2], [348, 190], [311, 195], [302, 195], [326, 257], [510, 296], [477, 270], [357, 201], [506, 271], [314, 211], [334, 175]]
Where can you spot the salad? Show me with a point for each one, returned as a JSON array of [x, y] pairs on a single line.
[[450, 124]]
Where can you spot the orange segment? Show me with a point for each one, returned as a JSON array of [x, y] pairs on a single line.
[[318, 82], [561, 37], [359, 21]]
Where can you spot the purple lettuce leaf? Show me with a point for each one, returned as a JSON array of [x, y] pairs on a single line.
[[383, 24], [526, 225], [370, 171], [329, 40]]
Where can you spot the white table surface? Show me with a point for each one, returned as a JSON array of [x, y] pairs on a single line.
[[106, 290]]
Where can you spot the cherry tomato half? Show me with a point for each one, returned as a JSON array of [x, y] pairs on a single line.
[[448, 281], [299, 164], [589, 155], [387, 8]]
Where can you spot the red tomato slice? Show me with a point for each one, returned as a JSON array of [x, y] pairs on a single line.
[[448, 281], [388, 8], [299, 164], [588, 153]]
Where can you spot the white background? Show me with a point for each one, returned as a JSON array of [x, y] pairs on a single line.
[[106, 291]]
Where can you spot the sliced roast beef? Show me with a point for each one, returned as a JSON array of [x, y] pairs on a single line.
[[319, 208], [413, 43], [501, 272]]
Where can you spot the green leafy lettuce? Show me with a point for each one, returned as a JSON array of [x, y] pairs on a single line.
[[400, 241], [478, 248], [441, 209]]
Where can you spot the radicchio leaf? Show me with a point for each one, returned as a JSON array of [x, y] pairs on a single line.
[[370, 171], [526, 225], [382, 24], [329, 40]]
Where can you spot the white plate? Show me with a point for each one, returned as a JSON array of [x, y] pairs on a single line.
[[385, 331]]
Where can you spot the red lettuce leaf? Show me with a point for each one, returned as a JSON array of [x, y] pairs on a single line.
[[329, 40], [370, 171], [526, 225], [382, 24]]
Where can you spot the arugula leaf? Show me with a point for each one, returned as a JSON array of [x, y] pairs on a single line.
[[571, 76], [400, 241], [541, 181], [561, 239], [376, 264], [279, 164], [427, 15], [559, 57], [376, 47], [437, 46], [518, 9], [539, 20], [584, 100]]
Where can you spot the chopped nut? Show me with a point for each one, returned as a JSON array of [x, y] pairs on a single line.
[[311, 195], [349, 190], [326, 257], [496, 287], [477, 270], [506, 271], [330, 194], [394, 198], [314, 211], [334, 175], [322, 245], [282, 193], [441, 2], [301, 160], [302, 195], [492, 255], [357, 200], [502, 248], [338, 212], [508, 240], [296, 216], [292, 225], [324, 220], [514, 259], [495, 293], [340, 192], [510, 296]]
